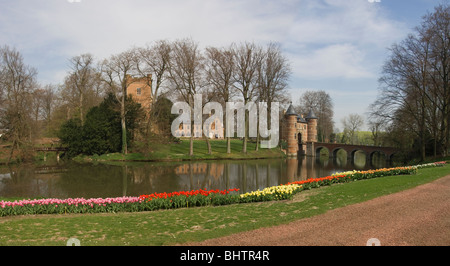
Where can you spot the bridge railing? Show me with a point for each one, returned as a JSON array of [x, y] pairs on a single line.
[[49, 149], [356, 145]]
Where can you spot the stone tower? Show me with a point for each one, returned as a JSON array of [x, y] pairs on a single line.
[[312, 133], [312, 126], [140, 89], [291, 131]]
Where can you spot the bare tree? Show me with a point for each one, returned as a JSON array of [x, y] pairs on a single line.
[[82, 87], [48, 101], [153, 65], [321, 104], [376, 127], [117, 73], [273, 76], [435, 29], [352, 123], [404, 87], [36, 108], [220, 70], [415, 83], [17, 84], [154, 59], [248, 59], [186, 77]]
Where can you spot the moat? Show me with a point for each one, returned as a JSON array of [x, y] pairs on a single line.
[[72, 180]]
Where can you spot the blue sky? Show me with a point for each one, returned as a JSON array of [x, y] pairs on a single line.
[[337, 46]]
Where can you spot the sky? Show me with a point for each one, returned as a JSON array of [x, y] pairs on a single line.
[[338, 46]]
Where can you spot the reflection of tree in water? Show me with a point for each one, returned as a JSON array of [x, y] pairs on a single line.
[[134, 179], [147, 178], [219, 175], [92, 180], [19, 181]]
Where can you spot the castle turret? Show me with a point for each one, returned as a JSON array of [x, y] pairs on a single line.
[[311, 118], [291, 134]]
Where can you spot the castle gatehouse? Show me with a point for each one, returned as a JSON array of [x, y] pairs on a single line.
[[299, 132]]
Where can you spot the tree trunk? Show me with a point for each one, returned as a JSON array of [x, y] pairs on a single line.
[[12, 151], [257, 136], [191, 146], [422, 131], [208, 143], [81, 109], [244, 143], [124, 127], [422, 150], [445, 130]]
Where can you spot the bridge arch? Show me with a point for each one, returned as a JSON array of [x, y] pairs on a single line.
[[340, 160], [320, 148], [391, 155], [336, 150], [368, 151], [354, 151], [373, 153]]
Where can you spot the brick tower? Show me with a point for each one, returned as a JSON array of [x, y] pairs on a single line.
[[291, 131], [312, 126], [140, 89], [312, 133]]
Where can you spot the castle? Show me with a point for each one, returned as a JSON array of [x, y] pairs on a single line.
[[140, 90], [300, 133]]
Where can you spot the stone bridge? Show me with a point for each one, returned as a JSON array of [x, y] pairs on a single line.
[[333, 148], [51, 149], [58, 150]]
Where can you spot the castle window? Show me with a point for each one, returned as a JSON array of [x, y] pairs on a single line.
[[138, 91]]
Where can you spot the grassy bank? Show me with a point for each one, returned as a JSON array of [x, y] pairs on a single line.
[[169, 227], [180, 151]]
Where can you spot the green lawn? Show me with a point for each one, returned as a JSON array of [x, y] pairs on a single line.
[[180, 151], [169, 227]]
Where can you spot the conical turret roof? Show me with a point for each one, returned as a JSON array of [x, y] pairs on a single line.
[[290, 110], [311, 115]]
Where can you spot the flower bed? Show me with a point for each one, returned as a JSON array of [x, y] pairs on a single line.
[[436, 164], [353, 176], [150, 202], [192, 198], [281, 192], [62, 206]]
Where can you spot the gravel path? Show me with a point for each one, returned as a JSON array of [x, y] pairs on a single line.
[[415, 217]]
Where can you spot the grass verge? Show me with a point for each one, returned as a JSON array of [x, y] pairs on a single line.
[[170, 227], [180, 151]]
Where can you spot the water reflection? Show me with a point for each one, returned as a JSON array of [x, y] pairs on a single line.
[[70, 180]]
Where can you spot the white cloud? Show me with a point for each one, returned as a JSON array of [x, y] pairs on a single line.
[[323, 38], [110, 26], [337, 38], [331, 61]]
